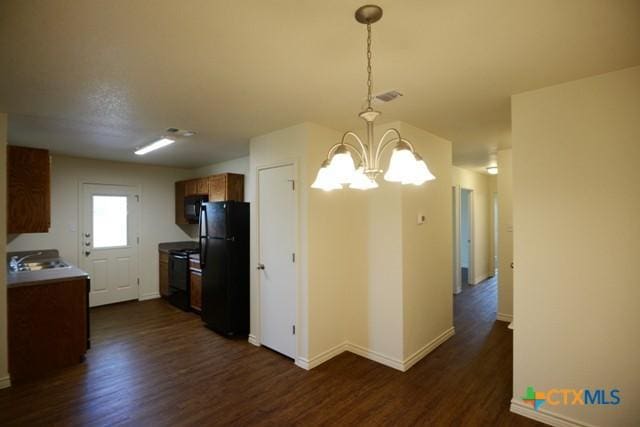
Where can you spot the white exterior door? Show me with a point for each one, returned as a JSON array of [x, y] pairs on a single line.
[[277, 241], [109, 242]]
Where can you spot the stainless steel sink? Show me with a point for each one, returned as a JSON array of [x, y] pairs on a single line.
[[42, 265]]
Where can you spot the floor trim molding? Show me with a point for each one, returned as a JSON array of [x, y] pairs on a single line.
[[383, 359], [308, 364], [254, 340], [145, 297], [5, 382], [428, 348], [544, 416], [392, 362], [504, 317]]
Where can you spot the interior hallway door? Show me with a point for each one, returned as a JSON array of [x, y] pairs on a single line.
[[277, 241], [109, 242]]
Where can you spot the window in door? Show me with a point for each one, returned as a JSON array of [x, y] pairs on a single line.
[[109, 221]]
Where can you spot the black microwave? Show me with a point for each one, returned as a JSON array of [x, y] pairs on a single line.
[[192, 207]]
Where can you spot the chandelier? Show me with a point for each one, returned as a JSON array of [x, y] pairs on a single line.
[[339, 169]]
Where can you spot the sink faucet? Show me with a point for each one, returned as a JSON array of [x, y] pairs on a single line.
[[15, 262]]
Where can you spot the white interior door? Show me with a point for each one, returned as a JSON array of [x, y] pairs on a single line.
[[109, 242], [277, 231]]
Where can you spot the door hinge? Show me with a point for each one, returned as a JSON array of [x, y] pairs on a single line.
[[137, 198], [293, 184], [138, 240], [293, 257], [293, 328], [138, 280]]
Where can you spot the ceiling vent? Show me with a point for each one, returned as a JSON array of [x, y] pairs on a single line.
[[388, 96], [180, 132]]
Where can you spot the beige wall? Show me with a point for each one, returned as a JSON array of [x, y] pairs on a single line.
[[576, 150], [482, 199], [4, 365], [357, 291], [505, 236], [426, 249], [157, 211]]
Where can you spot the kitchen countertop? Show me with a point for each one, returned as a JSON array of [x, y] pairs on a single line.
[[39, 277], [166, 247]]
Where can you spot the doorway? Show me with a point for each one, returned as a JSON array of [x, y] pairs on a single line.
[[466, 237], [109, 242], [277, 273]]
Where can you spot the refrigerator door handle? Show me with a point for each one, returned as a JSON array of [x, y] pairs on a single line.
[[203, 237]]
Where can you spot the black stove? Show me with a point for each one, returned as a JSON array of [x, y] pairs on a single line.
[[179, 286]]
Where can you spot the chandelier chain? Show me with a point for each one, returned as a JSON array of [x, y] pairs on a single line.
[[369, 80]]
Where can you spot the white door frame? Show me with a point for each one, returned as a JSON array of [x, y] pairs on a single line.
[[257, 333], [81, 221], [471, 271], [457, 280]]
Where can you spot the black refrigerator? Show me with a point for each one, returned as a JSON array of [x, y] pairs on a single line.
[[224, 259]]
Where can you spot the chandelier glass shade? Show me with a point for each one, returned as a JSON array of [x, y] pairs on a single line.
[[339, 169]]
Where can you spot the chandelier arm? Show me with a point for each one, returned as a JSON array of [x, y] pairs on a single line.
[[347, 145], [363, 156], [382, 146]]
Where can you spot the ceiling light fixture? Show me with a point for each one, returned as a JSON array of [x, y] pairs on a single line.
[[154, 146], [492, 170], [406, 166]]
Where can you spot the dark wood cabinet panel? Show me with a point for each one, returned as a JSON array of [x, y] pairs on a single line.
[[164, 274], [47, 325], [220, 188], [28, 190], [180, 193], [217, 188], [196, 290], [235, 187]]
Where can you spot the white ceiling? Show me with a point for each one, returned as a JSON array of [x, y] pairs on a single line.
[[97, 79]]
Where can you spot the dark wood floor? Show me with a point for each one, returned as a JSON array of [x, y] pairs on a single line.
[[152, 364]]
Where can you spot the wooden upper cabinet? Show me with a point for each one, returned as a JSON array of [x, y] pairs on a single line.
[[180, 193], [196, 187], [219, 188], [28, 190], [224, 187]]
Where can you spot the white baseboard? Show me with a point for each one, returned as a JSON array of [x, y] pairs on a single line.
[[428, 348], [544, 416], [146, 297], [307, 364], [5, 382], [504, 317], [253, 340], [389, 361], [392, 362]]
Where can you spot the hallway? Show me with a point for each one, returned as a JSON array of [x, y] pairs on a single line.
[[153, 364]]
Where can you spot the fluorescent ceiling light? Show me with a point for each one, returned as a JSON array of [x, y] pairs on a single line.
[[493, 170], [154, 146]]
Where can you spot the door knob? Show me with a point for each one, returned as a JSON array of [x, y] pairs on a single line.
[[260, 267], [87, 235], [87, 253], [87, 243]]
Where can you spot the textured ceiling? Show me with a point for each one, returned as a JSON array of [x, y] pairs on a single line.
[[97, 79]]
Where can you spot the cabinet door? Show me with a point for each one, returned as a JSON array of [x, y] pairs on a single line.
[[191, 187], [28, 190], [202, 186], [196, 290], [180, 193], [235, 187], [217, 188], [164, 275]]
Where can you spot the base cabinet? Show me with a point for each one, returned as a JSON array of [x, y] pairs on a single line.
[[196, 290], [164, 274], [48, 327]]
